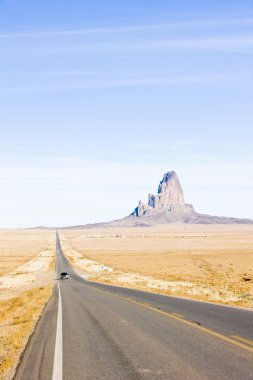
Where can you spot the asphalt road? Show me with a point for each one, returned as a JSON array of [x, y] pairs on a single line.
[[94, 331]]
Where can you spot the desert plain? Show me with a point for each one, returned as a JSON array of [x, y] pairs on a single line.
[[211, 263], [206, 262], [27, 273]]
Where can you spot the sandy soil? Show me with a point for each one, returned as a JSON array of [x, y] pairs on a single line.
[[17, 247], [27, 261], [208, 262]]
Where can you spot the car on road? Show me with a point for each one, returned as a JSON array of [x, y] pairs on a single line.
[[64, 276]]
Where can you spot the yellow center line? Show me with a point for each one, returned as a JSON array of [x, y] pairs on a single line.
[[144, 303], [180, 319], [178, 315], [196, 326], [247, 341]]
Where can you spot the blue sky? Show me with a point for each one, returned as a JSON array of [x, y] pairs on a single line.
[[100, 98]]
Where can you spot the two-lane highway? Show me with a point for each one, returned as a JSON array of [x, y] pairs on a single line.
[[94, 331]]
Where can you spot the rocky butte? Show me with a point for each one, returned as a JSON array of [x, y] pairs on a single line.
[[168, 206], [168, 203]]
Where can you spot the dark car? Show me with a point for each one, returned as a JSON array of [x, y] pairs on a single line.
[[64, 276]]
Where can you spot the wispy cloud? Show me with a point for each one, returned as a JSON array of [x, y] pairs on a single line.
[[177, 145], [129, 82], [182, 150], [140, 46], [63, 73], [41, 32]]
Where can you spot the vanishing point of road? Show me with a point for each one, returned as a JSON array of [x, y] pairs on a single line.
[[94, 331]]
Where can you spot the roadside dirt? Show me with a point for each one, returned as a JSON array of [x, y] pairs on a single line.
[[24, 291], [211, 263]]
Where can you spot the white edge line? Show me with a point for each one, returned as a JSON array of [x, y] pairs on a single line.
[[57, 367]]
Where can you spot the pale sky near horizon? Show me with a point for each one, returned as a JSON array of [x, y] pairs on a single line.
[[100, 98]]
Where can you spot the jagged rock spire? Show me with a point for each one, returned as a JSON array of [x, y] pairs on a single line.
[[169, 192], [169, 198], [168, 206]]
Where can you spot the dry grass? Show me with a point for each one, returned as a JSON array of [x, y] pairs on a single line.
[[211, 262], [18, 317], [19, 246], [27, 262]]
